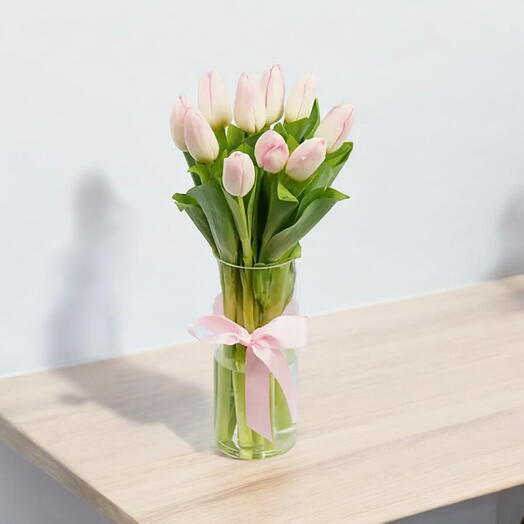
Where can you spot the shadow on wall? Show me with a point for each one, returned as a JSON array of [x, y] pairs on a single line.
[[84, 324], [511, 260]]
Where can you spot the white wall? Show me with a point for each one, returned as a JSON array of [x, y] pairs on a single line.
[[95, 257]]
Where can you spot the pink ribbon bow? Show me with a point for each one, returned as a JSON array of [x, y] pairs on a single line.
[[263, 356]]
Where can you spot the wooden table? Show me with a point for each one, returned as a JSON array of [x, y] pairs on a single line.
[[405, 406]]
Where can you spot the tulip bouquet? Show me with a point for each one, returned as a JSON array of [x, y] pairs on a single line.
[[260, 185]]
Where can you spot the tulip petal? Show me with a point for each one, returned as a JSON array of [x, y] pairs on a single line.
[[300, 101], [306, 158], [213, 100], [238, 174], [200, 139]]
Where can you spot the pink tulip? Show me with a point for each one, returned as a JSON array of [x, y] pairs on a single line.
[[335, 126], [200, 139], [306, 158], [213, 101], [271, 152], [300, 101], [239, 174], [176, 122], [250, 111], [273, 90]]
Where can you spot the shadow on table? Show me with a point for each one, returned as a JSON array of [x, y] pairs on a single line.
[[179, 405], [84, 325]]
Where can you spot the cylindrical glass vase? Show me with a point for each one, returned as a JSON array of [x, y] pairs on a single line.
[[252, 297]]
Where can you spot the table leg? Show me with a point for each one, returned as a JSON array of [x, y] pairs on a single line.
[[510, 506]]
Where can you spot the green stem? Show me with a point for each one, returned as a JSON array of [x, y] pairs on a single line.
[[281, 417], [245, 435], [245, 235], [259, 442], [224, 415], [248, 309]]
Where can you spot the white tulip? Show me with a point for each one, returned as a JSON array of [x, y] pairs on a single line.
[[176, 122], [238, 174], [200, 139], [271, 152], [335, 126], [273, 90], [213, 101], [300, 101], [306, 159], [249, 110]]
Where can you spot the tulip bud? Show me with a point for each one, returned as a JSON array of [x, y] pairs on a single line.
[[176, 122], [250, 111], [306, 158], [213, 101], [239, 174], [200, 140], [271, 152], [300, 101], [273, 91], [335, 126]]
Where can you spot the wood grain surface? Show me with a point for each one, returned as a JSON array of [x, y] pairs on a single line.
[[405, 406]]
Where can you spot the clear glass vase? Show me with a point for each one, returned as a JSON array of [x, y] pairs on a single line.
[[252, 297]]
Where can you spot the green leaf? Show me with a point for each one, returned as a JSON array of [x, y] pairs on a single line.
[[210, 198], [296, 129], [327, 172], [340, 156], [252, 139], [282, 206], [221, 139], [284, 194], [294, 253], [217, 166], [330, 168], [292, 143], [294, 186], [246, 148], [298, 187], [191, 162], [305, 127], [183, 201], [318, 193], [313, 120], [234, 136], [201, 171], [285, 240], [281, 130], [322, 178], [190, 206]]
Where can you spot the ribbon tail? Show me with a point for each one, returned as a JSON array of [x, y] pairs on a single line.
[[258, 412]]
